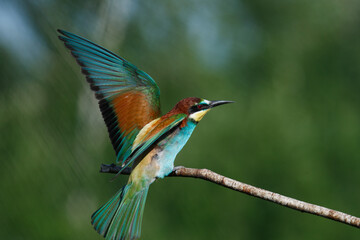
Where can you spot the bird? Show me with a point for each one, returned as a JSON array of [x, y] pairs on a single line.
[[129, 101]]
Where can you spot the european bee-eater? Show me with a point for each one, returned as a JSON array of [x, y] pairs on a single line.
[[130, 105]]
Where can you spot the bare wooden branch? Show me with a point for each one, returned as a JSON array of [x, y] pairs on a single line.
[[252, 191]]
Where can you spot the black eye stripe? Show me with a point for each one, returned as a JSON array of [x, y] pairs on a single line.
[[198, 107], [193, 109]]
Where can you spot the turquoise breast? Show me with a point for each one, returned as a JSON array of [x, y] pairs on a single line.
[[171, 146]]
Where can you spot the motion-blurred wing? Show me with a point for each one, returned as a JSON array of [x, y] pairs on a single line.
[[128, 97]]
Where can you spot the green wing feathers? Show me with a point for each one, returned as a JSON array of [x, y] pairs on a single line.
[[120, 218], [128, 97]]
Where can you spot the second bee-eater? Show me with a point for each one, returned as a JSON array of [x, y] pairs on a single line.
[[142, 138]]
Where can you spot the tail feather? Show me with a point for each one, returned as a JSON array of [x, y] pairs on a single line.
[[128, 220], [102, 218], [120, 218]]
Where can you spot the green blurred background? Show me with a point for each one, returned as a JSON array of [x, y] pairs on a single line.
[[291, 66]]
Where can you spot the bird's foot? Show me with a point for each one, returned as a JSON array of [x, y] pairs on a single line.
[[177, 168]]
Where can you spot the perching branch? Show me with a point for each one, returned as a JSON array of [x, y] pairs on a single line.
[[251, 190]]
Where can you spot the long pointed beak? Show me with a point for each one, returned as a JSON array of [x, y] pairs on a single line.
[[218, 103]]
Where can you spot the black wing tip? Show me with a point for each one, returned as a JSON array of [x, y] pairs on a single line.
[[60, 31], [64, 33], [94, 87], [63, 37], [99, 96]]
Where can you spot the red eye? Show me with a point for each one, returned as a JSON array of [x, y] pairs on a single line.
[[200, 106]]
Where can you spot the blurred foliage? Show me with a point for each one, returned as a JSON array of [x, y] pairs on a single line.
[[291, 66]]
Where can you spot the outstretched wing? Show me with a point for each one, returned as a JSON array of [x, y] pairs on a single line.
[[128, 97], [163, 126]]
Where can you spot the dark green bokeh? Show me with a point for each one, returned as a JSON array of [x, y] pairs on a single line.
[[291, 66]]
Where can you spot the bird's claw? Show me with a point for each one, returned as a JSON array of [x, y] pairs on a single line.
[[177, 168]]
